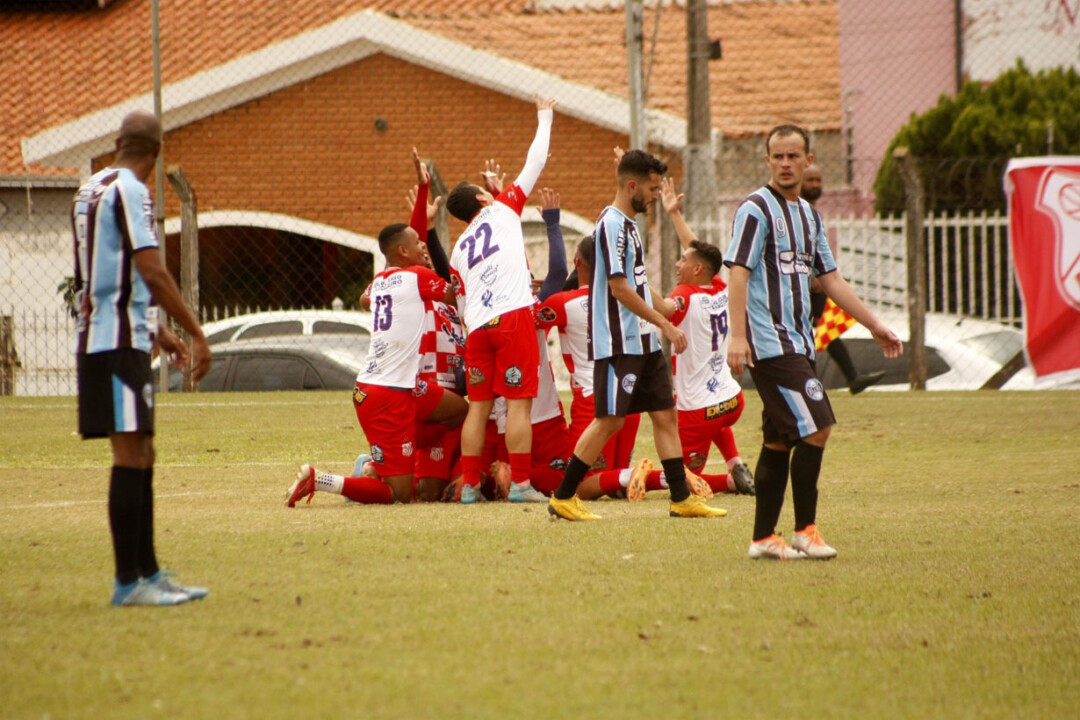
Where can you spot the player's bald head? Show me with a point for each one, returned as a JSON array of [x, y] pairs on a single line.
[[140, 135]]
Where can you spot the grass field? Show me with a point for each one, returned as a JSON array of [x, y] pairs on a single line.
[[956, 593]]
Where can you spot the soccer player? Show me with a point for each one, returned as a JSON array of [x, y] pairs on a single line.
[[811, 193], [630, 372], [119, 276], [708, 398], [778, 244], [491, 276], [568, 312], [401, 297]]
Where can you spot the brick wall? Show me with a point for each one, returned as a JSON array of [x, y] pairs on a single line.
[[313, 151]]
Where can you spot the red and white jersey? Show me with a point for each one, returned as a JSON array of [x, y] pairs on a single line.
[[702, 376], [547, 403], [443, 346], [569, 312], [488, 263], [400, 299]]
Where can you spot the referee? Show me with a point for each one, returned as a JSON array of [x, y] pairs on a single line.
[[778, 246]]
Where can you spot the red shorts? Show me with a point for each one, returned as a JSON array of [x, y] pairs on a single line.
[[502, 357], [619, 449], [388, 418], [699, 429], [437, 459], [428, 394]]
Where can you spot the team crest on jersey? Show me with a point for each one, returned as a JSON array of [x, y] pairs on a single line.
[[486, 298], [628, 383], [475, 376], [695, 461], [407, 448], [377, 455], [358, 396], [513, 376], [814, 390], [712, 385], [680, 303], [546, 314], [780, 227]]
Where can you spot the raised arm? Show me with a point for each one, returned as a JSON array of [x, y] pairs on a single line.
[[418, 221], [556, 274], [673, 207], [538, 151]]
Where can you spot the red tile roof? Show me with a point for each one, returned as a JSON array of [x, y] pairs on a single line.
[[781, 58]]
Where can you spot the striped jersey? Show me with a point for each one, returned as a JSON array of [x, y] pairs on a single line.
[[613, 328], [400, 301], [702, 377], [443, 349], [488, 264], [112, 218], [783, 244]]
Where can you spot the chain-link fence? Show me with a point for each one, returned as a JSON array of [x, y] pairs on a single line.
[[294, 125]]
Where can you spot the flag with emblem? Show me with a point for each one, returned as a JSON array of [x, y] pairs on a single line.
[[833, 323]]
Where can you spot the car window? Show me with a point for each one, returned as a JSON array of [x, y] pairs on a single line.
[[331, 327], [214, 379], [220, 335], [269, 372], [272, 329]]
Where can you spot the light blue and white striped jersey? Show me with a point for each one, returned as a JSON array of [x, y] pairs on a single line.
[[613, 329], [783, 245], [112, 217]]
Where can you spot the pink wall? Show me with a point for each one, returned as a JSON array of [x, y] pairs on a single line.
[[895, 59]]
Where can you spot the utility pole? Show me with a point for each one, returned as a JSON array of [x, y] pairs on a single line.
[[699, 182], [634, 37], [639, 139]]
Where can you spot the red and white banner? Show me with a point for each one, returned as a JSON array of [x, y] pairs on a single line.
[[1044, 233]]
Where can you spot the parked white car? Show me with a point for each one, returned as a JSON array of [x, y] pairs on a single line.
[[277, 323], [961, 354]]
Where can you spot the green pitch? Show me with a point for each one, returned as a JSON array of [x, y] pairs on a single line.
[[956, 593]]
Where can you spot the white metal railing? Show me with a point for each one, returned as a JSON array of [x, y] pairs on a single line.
[[970, 273]]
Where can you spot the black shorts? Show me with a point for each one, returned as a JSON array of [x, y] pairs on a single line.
[[794, 400], [628, 384], [115, 393]]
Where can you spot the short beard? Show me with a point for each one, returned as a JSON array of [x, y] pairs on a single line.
[[811, 194], [639, 204]]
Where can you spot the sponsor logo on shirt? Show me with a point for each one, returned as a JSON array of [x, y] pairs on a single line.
[[714, 411]]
